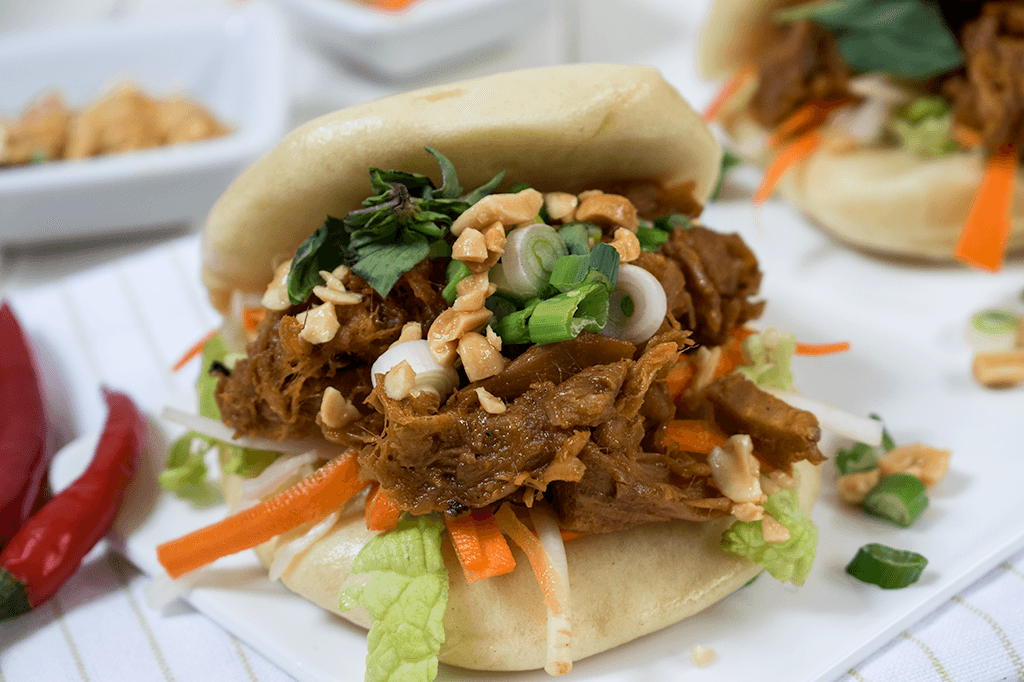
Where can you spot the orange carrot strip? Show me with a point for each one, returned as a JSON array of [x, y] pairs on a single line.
[[311, 499], [984, 236], [789, 156], [695, 435], [193, 351], [551, 583], [480, 545], [822, 348], [382, 513], [731, 87], [805, 119], [679, 376], [251, 318]]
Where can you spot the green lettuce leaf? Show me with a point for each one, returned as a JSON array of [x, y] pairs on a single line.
[[771, 354], [406, 593], [185, 472], [790, 560], [925, 127]]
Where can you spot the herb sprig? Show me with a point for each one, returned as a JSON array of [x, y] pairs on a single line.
[[405, 220]]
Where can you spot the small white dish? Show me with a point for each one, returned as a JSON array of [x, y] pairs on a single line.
[[232, 63], [425, 34]]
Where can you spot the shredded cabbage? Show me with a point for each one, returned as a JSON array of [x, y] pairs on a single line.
[[770, 354], [790, 560], [185, 471], [406, 594], [925, 127]]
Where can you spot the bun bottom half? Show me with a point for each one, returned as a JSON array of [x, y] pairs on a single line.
[[886, 201], [623, 585]]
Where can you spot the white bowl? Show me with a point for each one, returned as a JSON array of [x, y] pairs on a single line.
[[428, 33], [233, 63]]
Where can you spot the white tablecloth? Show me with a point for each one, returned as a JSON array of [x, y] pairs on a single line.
[[98, 627]]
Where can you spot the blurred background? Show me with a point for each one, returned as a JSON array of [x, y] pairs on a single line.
[[260, 68]]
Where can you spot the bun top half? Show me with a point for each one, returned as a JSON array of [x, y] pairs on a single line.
[[557, 128]]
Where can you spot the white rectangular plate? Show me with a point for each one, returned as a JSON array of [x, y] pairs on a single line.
[[909, 362]]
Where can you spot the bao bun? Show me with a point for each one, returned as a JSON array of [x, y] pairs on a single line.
[[559, 128], [881, 199]]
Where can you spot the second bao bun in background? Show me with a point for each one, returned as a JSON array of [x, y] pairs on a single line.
[[884, 199]]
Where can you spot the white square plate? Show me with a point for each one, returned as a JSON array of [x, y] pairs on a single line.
[[233, 63], [425, 34]]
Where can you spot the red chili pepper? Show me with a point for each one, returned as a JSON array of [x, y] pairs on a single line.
[[24, 437], [50, 547]]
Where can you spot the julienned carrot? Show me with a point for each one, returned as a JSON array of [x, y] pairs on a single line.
[[311, 499], [556, 592], [382, 514], [805, 119], [251, 318], [968, 138], [822, 348], [731, 87], [679, 376], [480, 545], [193, 351], [983, 239], [789, 156], [695, 435]]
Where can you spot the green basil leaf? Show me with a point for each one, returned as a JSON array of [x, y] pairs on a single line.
[[485, 189], [669, 223], [383, 266], [450, 187], [325, 249], [905, 38]]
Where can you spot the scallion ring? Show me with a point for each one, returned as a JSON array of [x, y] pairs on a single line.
[[993, 331], [898, 498], [889, 568], [530, 254], [430, 374], [637, 306]]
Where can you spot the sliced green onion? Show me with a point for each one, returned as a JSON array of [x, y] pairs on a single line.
[[501, 306], [856, 458], [569, 272], [889, 568], [670, 222], [576, 238], [457, 271], [993, 331], [530, 254], [887, 442], [430, 374], [563, 317], [513, 328], [637, 305], [651, 238], [898, 498], [604, 260]]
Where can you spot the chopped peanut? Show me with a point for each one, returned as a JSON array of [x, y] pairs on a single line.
[[853, 488], [411, 331], [493, 338], [335, 410], [783, 480], [927, 463], [491, 403], [332, 281], [470, 247], [702, 656], [560, 206], [748, 511], [587, 193], [400, 381], [449, 327], [608, 210], [181, 120], [329, 295], [276, 296], [124, 120], [626, 244], [735, 471], [999, 369], [508, 209], [479, 357], [473, 292], [319, 324], [772, 530]]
